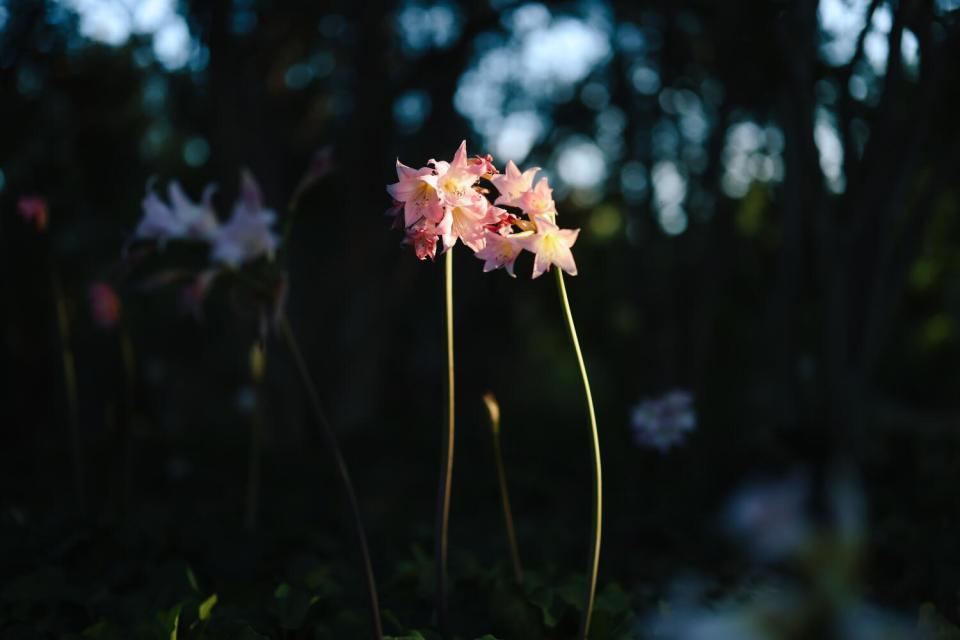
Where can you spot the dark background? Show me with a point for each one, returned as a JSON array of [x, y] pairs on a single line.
[[774, 224]]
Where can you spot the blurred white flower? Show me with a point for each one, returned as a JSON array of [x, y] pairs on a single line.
[[664, 422], [248, 234], [770, 518], [860, 620], [756, 615], [180, 218]]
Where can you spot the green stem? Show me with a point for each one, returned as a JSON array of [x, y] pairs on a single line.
[[504, 493], [253, 471], [341, 466], [126, 423], [252, 502], [597, 472], [70, 385], [446, 466]]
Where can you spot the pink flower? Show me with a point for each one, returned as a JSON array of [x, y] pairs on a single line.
[[551, 245], [248, 234], [104, 305], [455, 181], [539, 201], [180, 219], [512, 184], [442, 201], [486, 164], [34, 209], [423, 237], [419, 197], [469, 223], [501, 250]]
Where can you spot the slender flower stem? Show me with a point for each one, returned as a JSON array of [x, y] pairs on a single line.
[[345, 483], [126, 423], [70, 385], [252, 502], [597, 472], [446, 466], [494, 410]]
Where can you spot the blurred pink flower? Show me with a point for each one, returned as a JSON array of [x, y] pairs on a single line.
[[104, 305], [34, 209]]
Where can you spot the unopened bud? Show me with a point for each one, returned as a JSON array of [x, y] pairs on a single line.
[[258, 361], [493, 409]]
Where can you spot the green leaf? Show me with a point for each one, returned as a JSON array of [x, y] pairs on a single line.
[[206, 606], [248, 633], [97, 630], [543, 600], [292, 606], [935, 626], [192, 579], [176, 625]]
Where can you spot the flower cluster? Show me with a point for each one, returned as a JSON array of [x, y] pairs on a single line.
[[664, 422], [245, 236], [446, 201]]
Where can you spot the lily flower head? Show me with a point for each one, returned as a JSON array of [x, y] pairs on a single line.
[[468, 222], [248, 234], [539, 201], [512, 184], [551, 246], [501, 250], [181, 218], [442, 203], [454, 181], [486, 163], [423, 237], [445, 201], [419, 197]]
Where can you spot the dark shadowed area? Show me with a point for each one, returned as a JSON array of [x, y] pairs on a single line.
[[768, 300]]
